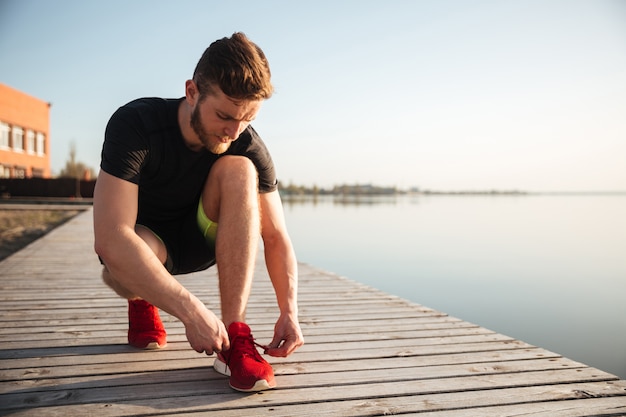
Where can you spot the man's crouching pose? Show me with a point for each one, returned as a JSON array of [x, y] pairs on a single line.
[[188, 183]]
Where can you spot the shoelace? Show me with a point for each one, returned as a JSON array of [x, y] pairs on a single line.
[[264, 347], [247, 346]]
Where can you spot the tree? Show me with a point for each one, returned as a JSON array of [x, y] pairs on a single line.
[[74, 168]]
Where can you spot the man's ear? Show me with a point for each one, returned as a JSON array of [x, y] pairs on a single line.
[[191, 92]]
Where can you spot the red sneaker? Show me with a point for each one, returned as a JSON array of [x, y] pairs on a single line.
[[248, 371], [145, 329]]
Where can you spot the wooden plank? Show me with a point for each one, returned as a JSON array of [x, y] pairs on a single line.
[[125, 354], [46, 376], [348, 373], [213, 394], [535, 402]]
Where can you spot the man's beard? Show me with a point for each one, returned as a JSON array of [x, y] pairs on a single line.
[[215, 147]]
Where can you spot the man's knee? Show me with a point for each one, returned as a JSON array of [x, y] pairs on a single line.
[[233, 169], [112, 283], [231, 177], [106, 277]]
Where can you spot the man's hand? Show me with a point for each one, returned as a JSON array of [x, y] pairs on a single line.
[[287, 337], [207, 333]]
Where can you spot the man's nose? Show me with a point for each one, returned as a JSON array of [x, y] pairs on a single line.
[[234, 128]]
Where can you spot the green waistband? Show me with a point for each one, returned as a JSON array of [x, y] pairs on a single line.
[[207, 227]]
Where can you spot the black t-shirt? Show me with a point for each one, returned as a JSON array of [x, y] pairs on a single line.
[[143, 144]]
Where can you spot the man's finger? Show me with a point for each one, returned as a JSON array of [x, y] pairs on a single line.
[[286, 349]]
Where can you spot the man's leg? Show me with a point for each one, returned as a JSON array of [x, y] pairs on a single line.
[[230, 199], [145, 329], [157, 246]]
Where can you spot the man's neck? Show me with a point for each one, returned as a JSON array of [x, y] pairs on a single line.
[[184, 123]]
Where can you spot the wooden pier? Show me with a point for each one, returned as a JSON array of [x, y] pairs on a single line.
[[63, 352]]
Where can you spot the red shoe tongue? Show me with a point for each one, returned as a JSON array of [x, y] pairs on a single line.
[[238, 329]]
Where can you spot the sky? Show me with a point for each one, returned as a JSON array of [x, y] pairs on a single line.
[[441, 95]]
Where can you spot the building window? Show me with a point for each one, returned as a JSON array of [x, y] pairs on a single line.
[[30, 141], [4, 135], [37, 172], [18, 139], [19, 172], [5, 172], [41, 144]]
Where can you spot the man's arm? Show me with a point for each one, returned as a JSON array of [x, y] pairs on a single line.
[[282, 267], [135, 266]]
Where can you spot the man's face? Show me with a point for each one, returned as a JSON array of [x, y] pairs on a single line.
[[218, 120]]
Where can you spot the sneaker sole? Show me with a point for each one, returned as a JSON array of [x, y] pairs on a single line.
[[261, 385], [150, 346], [221, 367], [154, 346]]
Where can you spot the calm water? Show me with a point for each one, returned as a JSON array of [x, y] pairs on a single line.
[[546, 269]]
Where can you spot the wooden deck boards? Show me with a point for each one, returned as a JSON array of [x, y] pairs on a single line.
[[63, 352]]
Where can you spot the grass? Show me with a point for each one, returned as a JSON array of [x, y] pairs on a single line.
[[18, 228]]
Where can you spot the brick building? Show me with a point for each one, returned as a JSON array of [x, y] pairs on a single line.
[[24, 135]]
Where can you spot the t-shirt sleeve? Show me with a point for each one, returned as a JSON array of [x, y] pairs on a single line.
[[260, 156], [125, 145]]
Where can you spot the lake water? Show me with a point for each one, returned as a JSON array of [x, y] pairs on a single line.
[[548, 269]]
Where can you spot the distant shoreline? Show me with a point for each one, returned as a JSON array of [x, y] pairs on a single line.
[[374, 191]]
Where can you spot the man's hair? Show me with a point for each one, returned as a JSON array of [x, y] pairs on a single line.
[[237, 66]]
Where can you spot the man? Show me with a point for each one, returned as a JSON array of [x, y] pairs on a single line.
[[185, 184]]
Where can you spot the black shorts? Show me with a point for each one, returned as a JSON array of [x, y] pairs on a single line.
[[187, 248]]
